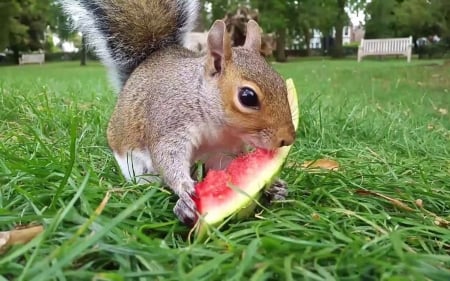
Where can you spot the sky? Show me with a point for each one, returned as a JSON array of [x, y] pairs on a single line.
[[357, 18]]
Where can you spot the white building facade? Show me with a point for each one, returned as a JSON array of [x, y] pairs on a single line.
[[316, 39]]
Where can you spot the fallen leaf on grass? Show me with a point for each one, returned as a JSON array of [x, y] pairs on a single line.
[[318, 164], [394, 201], [443, 111], [439, 221], [18, 236], [315, 216], [419, 203], [102, 205]]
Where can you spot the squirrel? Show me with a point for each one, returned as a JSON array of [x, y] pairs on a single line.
[[176, 107]]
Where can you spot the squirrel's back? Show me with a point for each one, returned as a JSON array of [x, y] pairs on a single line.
[[125, 32]]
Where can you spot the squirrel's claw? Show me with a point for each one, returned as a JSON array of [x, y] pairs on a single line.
[[185, 210], [277, 191]]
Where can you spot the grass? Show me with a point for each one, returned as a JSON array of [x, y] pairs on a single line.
[[379, 119]]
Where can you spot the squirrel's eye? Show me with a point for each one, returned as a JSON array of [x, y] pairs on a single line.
[[248, 98]]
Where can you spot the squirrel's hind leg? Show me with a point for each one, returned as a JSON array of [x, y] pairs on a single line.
[[136, 166]]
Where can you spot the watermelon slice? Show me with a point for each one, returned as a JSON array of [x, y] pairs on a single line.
[[223, 193]]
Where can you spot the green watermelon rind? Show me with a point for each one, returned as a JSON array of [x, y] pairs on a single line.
[[244, 202]]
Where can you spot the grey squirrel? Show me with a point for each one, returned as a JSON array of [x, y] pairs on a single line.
[[175, 106]]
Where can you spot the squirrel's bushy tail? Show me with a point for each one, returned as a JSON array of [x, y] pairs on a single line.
[[124, 32]]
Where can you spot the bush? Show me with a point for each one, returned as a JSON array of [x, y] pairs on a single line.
[[434, 50], [304, 53], [351, 49]]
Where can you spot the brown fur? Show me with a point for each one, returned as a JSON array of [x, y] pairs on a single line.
[[175, 106], [136, 31], [130, 126], [178, 106]]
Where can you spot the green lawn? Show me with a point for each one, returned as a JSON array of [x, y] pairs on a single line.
[[385, 122]]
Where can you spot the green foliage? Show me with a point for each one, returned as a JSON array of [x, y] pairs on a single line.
[[419, 18], [275, 14], [218, 9], [380, 19], [24, 25], [416, 18], [383, 127], [9, 24], [34, 15], [441, 14], [60, 23], [435, 50]]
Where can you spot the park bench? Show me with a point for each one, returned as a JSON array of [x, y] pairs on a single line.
[[32, 58], [386, 46]]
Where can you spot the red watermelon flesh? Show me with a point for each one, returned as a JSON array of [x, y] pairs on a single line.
[[218, 195], [215, 189]]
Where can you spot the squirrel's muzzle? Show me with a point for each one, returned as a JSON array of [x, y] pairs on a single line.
[[285, 136]]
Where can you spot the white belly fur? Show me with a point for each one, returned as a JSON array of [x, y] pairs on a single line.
[[216, 152], [136, 166]]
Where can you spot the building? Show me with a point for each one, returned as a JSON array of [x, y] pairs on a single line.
[[316, 39]]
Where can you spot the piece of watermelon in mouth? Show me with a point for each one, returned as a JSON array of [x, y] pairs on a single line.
[[223, 193]]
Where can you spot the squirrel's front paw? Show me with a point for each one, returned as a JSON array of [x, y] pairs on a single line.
[[277, 191], [185, 209]]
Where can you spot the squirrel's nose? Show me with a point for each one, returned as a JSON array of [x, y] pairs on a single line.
[[286, 141], [286, 137]]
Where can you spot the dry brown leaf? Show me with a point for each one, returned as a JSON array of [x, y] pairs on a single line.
[[325, 164], [419, 203], [102, 205], [394, 201], [4, 239], [315, 216], [443, 111], [18, 236], [439, 221]]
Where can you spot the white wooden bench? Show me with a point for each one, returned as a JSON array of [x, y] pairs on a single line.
[[32, 58], [386, 46]]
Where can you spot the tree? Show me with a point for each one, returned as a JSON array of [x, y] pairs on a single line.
[[342, 19], [417, 18], [9, 9], [309, 16], [414, 17], [291, 19], [381, 19], [220, 8], [24, 23], [441, 12], [276, 16], [273, 17], [61, 25]]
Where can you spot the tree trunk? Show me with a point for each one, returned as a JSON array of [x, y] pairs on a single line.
[[83, 53], [280, 54], [307, 35], [338, 51], [16, 54]]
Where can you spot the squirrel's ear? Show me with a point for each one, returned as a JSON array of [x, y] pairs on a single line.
[[253, 38], [219, 44]]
